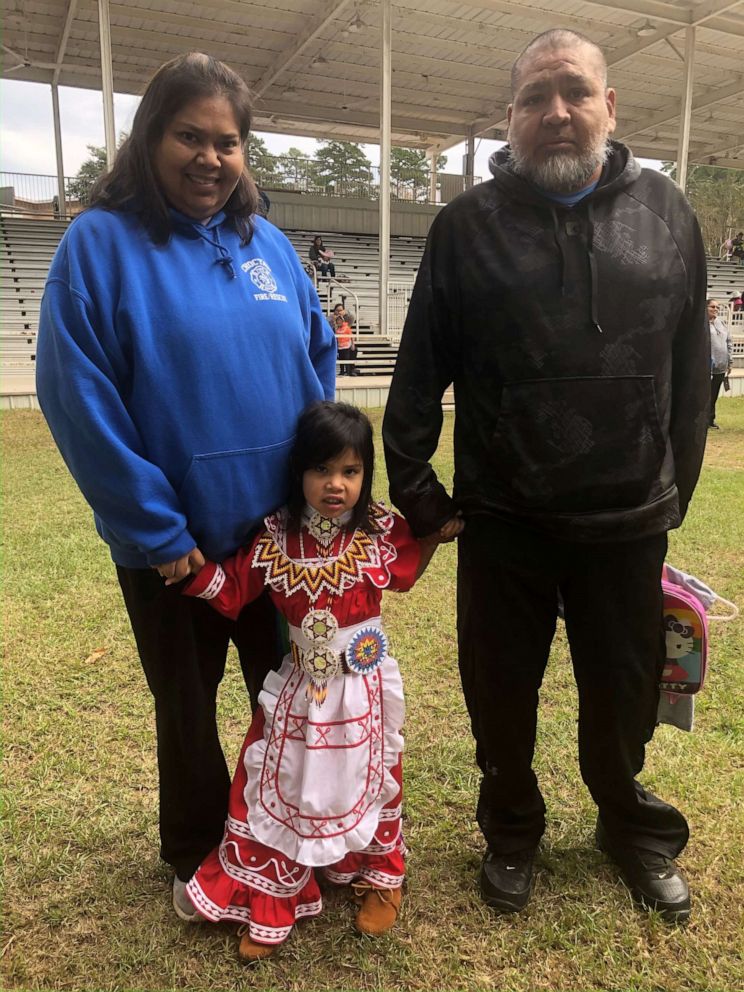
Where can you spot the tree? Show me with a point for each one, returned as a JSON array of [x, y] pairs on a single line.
[[410, 171], [717, 197], [80, 186], [343, 169], [297, 170], [261, 163]]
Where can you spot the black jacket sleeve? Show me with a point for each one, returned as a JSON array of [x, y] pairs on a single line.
[[426, 365], [691, 375]]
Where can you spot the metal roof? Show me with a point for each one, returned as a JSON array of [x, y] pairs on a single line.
[[315, 64]]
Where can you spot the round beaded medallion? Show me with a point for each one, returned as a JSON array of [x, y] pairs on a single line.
[[366, 650]]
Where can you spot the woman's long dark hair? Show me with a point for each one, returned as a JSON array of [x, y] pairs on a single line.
[[324, 430], [132, 184]]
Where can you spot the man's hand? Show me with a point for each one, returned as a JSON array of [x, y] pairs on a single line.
[[178, 570]]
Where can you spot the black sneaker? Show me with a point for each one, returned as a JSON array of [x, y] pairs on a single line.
[[506, 879], [655, 882]]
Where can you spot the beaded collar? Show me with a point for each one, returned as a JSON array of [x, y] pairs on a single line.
[[364, 554]]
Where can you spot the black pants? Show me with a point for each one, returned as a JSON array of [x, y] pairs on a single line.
[[182, 644], [507, 609], [716, 381], [344, 354]]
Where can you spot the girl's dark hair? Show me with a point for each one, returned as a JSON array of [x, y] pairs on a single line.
[[132, 184], [324, 430]]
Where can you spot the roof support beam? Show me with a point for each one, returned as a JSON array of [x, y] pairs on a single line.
[[62, 44], [683, 145], [386, 89], [107, 80], [328, 12], [58, 153]]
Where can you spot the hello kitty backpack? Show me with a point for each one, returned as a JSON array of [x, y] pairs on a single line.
[[686, 604], [686, 630]]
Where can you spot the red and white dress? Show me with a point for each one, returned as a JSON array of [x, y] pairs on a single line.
[[318, 782]]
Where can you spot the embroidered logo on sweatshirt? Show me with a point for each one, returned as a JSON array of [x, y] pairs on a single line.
[[261, 277]]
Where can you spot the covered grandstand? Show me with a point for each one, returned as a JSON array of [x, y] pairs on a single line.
[[426, 74]]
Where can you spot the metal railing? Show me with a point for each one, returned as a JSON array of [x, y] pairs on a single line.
[[399, 297], [27, 194], [313, 176], [38, 195]]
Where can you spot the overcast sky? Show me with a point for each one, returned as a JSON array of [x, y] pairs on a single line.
[[27, 132]]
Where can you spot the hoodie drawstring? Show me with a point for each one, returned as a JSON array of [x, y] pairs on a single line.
[[593, 280], [225, 258], [593, 288]]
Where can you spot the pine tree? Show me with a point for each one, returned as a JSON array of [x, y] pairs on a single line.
[[343, 169], [409, 173]]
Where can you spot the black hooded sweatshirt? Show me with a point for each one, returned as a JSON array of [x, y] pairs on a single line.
[[577, 343]]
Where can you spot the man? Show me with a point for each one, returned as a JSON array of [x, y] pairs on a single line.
[[565, 299]]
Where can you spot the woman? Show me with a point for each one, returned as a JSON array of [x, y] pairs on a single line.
[[721, 356], [179, 340], [320, 256]]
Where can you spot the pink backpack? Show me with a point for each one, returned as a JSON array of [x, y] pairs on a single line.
[[686, 602], [686, 630]]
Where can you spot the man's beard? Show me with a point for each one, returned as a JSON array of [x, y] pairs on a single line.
[[560, 172]]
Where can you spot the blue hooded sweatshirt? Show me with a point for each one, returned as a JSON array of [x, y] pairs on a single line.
[[172, 377]]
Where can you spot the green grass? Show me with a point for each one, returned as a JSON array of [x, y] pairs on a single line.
[[86, 901]]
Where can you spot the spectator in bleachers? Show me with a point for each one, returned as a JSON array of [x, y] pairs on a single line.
[[737, 301], [321, 257], [737, 247], [721, 357], [343, 328], [173, 318]]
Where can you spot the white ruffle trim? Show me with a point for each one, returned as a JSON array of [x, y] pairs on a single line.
[[313, 760]]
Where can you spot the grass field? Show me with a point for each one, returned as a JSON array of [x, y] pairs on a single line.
[[87, 902]]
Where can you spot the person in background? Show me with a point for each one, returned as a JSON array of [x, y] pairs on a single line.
[[580, 361], [721, 357], [174, 317], [320, 257], [343, 327], [737, 247]]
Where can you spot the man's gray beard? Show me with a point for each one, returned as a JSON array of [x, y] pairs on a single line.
[[562, 172]]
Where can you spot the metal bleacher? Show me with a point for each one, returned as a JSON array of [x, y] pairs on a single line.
[[27, 246], [357, 263], [26, 250]]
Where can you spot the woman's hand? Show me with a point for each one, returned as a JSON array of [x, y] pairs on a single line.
[[178, 570]]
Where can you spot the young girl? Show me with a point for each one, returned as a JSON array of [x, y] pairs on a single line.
[[318, 783]]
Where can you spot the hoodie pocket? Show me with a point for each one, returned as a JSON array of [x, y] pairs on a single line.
[[579, 444], [225, 493]]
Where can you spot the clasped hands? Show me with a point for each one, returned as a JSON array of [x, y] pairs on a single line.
[[181, 568], [449, 531]]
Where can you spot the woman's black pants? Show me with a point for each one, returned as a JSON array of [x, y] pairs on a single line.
[[182, 644], [507, 598]]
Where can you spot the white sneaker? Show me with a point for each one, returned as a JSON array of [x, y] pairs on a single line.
[[183, 905]]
